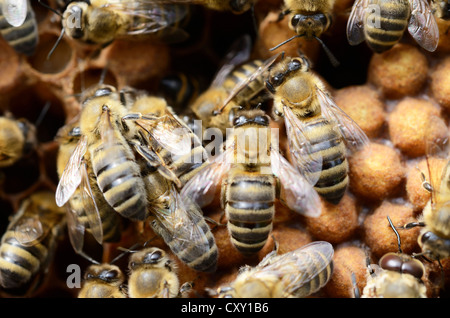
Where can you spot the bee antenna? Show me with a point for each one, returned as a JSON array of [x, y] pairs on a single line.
[[125, 251], [334, 61], [43, 113], [56, 44], [396, 233], [288, 40], [50, 8]]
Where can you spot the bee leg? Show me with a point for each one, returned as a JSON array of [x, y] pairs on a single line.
[[356, 290], [220, 223], [282, 15]]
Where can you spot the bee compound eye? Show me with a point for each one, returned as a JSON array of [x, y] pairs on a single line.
[[413, 267], [111, 274], [296, 19], [104, 91], [391, 262], [155, 256], [294, 65]]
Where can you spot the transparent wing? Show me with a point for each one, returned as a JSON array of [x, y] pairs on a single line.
[[202, 186], [355, 23], [261, 71], [71, 176], [354, 136], [90, 206], [75, 229], [308, 162], [238, 53], [298, 267], [169, 133], [422, 25], [29, 231], [180, 222], [297, 193], [14, 11], [148, 16]]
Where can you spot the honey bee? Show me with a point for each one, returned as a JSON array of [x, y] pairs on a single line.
[[397, 275], [104, 140], [103, 281], [295, 274], [152, 274], [434, 238], [238, 83], [86, 208], [28, 245], [309, 18], [252, 179], [382, 23], [441, 9], [319, 132], [18, 26], [17, 139], [175, 218], [101, 22]]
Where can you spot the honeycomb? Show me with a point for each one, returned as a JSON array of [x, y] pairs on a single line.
[[390, 95]]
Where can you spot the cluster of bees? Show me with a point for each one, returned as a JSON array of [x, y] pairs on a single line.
[[128, 157]]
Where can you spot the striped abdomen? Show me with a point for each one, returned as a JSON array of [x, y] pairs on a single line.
[[384, 31], [251, 92], [328, 144], [110, 221], [315, 259], [249, 206], [119, 178], [24, 38]]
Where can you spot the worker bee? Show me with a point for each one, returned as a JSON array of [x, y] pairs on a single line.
[[441, 9], [253, 174], [87, 209], [434, 238], [382, 23], [17, 139], [103, 281], [153, 274], [397, 275], [28, 245], [175, 218], [319, 132], [295, 274], [310, 18], [18, 26], [238, 83], [104, 140], [101, 22]]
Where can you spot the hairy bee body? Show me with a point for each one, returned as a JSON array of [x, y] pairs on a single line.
[[101, 22], [17, 139], [319, 132], [22, 38], [152, 275], [103, 281], [395, 15], [295, 274], [249, 206], [28, 245], [110, 220], [309, 18], [177, 220], [382, 23], [326, 142]]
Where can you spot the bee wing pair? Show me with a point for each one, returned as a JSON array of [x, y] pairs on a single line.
[[309, 161], [422, 24], [180, 223], [156, 16], [298, 267], [297, 193]]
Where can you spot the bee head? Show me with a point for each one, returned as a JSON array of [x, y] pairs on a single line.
[[310, 25], [74, 19]]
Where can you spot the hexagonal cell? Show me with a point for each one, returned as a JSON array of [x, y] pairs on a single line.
[[41, 107], [59, 59]]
